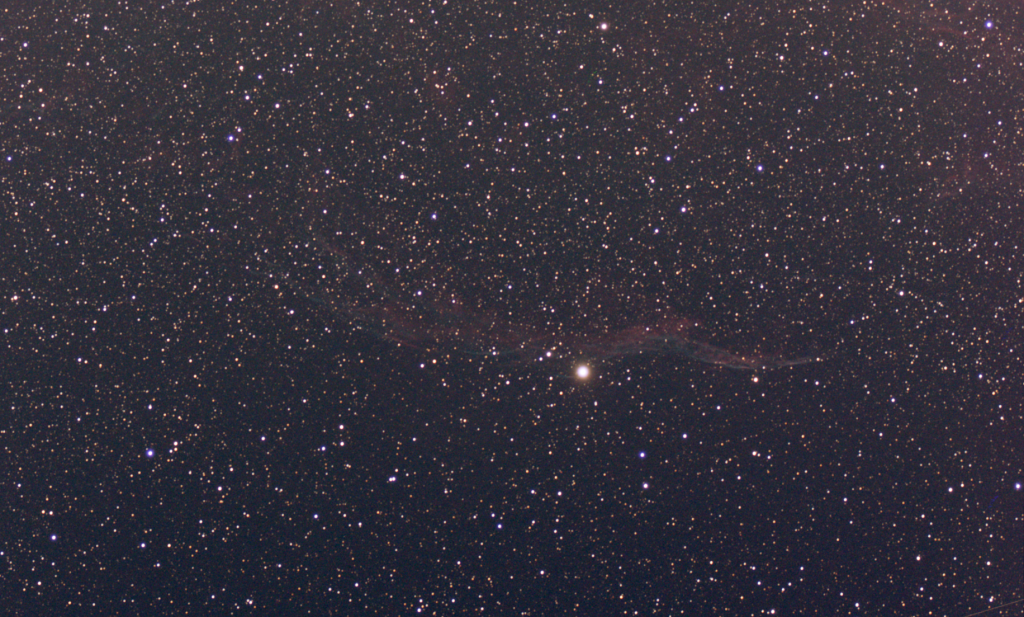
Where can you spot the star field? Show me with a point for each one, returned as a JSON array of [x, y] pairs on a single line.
[[389, 308]]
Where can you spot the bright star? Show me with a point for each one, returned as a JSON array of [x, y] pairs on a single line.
[[583, 371]]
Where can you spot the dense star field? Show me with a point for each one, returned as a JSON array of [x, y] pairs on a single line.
[[515, 308]]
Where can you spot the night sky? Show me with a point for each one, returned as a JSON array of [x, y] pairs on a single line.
[[403, 307]]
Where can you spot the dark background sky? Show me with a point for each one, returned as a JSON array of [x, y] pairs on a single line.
[[292, 301]]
